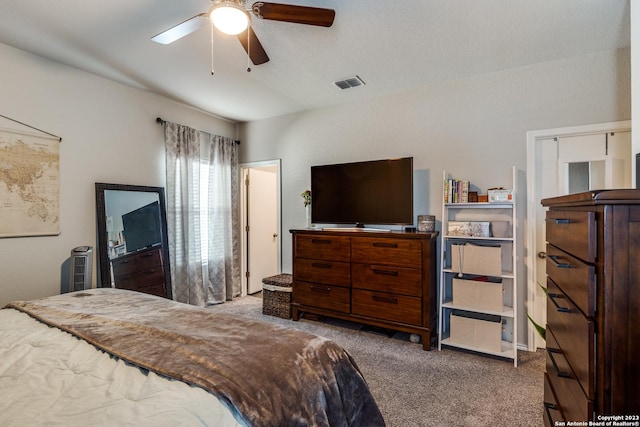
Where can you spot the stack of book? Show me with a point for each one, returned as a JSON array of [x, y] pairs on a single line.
[[456, 191]]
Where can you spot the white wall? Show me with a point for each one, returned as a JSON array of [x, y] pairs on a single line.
[[109, 134], [474, 128]]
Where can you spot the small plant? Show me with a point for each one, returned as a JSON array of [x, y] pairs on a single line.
[[541, 330], [306, 197]]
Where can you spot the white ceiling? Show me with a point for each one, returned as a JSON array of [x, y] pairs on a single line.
[[392, 45]]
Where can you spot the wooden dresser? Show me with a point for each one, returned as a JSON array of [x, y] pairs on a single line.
[[141, 271], [383, 279], [593, 304]]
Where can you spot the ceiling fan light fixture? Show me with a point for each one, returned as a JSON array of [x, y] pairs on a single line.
[[229, 17]]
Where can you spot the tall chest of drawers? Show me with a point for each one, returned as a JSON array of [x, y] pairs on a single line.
[[384, 279], [593, 306]]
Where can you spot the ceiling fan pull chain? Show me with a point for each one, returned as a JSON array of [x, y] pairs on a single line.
[[248, 47], [212, 50]]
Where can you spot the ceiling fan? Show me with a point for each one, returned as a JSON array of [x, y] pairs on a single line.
[[233, 17]]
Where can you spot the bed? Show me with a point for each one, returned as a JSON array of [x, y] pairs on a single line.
[[105, 357]]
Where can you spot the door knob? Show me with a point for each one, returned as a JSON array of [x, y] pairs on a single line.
[[542, 255], [275, 235]]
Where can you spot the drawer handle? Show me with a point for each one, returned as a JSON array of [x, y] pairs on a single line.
[[385, 272], [322, 289], [558, 264], [558, 308], [153, 270], [321, 241], [559, 220], [321, 265], [148, 254], [548, 407], [390, 300], [384, 245], [561, 374]]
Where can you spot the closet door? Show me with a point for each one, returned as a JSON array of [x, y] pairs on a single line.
[[594, 162]]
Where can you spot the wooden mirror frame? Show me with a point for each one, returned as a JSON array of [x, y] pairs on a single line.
[[104, 270]]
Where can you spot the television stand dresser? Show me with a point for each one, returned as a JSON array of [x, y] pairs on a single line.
[[593, 303], [385, 279]]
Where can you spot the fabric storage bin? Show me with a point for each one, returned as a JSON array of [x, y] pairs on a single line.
[[477, 294], [476, 259], [276, 295], [477, 332], [501, 229]]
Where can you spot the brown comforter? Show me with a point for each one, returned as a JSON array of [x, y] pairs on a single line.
[[266, 374]]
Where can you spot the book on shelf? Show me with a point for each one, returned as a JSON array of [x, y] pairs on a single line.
[[456, 191]]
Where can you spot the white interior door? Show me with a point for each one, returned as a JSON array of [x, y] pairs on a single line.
[[262, 226], [546, 186], [576, 159]]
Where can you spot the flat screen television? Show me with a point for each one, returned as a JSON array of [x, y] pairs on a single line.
[[369, 192], [142, 228]]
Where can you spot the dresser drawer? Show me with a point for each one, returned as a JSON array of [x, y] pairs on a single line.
[[149, 259], [150, 276], [556, 358], [387, 251], [142, 279], [336, 248], [323, 271], [155, 289], [574, 336], [398, 308], [334, 298], [123, 266], [127, 281], [552, 415], [573, 232], [576, 279], [572, 403], [397, 280]]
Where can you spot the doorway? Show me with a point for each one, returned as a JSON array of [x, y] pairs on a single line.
[[260, 223], [562, 161]]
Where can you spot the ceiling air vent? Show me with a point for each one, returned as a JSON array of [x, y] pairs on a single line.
[[349, 83]]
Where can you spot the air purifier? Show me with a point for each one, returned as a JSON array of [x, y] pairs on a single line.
[[81, 266]]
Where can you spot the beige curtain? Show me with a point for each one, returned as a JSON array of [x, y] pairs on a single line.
[[202, 215]]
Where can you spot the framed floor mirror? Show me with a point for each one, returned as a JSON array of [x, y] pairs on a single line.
[[132, 250]]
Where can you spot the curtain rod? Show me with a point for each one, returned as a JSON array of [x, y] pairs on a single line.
[[34, 128], [162, 122]]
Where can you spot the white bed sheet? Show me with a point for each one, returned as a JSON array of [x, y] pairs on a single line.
[[50, 378]]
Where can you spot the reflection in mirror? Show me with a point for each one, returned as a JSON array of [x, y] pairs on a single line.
[[134, 215], [132, 238]]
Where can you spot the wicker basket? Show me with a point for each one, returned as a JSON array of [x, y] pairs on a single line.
[[276, 295]]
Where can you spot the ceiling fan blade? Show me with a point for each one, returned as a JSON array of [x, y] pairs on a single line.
[[293, 13], [254, 48], [182, 29]]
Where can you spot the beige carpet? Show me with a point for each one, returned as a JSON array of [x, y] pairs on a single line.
[[435, 388]]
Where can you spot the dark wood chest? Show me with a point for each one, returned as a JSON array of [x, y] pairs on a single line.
[[593, 304]]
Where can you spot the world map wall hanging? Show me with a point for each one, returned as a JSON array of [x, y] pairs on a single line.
[[29, 184]]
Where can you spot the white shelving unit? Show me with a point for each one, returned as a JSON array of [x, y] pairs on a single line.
[[483, 321]]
